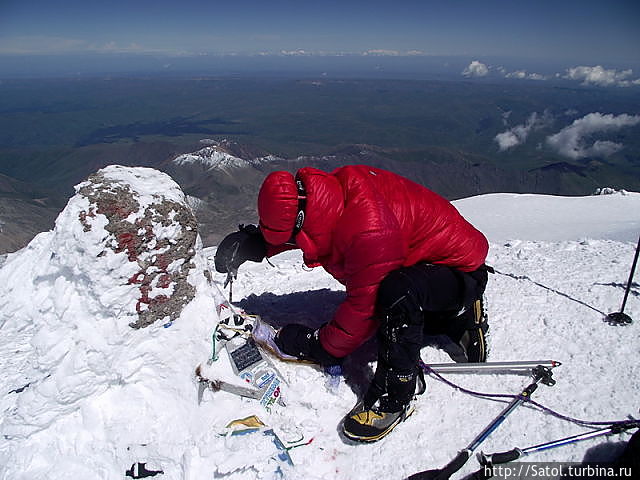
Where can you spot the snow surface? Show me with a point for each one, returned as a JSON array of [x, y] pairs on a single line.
[[84, 396], [505, 216]]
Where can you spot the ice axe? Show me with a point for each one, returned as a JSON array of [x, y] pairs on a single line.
[[621, 318], [540, 375]]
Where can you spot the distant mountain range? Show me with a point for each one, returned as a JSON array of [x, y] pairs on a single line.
[[222, 179]]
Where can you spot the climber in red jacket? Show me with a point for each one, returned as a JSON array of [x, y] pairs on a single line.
[[411, 265]]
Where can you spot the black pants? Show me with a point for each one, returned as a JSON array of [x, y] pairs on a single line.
[[414, 301]]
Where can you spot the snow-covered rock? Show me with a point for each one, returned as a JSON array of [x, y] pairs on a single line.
[[123, 254], [156, 230], [609, 191]]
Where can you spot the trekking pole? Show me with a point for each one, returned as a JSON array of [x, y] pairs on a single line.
[[489, 367], [540, 375], [621, 318], [516, 453]]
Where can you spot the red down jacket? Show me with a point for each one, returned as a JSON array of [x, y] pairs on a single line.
[[360, 224]]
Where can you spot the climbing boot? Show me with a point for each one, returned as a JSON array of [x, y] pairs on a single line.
[[374, 418], [469, 332], [371, 424]]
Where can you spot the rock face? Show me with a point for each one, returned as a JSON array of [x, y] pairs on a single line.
[[155, 231]]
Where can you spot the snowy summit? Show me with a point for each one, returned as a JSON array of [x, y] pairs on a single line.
[[211, 157], [93, 386], [217, 155]]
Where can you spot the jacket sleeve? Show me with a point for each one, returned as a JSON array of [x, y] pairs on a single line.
[[370, 257]]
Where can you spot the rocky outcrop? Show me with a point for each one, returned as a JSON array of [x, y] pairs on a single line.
[[155, 231]]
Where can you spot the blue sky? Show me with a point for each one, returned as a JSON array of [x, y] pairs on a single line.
[[561, 29]]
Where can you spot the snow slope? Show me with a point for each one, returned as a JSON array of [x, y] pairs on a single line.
[[82, 396], [505, 216]]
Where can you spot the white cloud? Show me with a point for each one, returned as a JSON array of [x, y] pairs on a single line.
[[294, 53], [49, 45], [570, 141], [517, 74], [604, 148], [381, 52], [29, 44], [476, 69], [536, 76], [518, 135], [523, 75], [601, 77], [113, 47]]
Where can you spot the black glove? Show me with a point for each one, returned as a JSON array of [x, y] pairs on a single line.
[[303, 342], [238, 247]]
